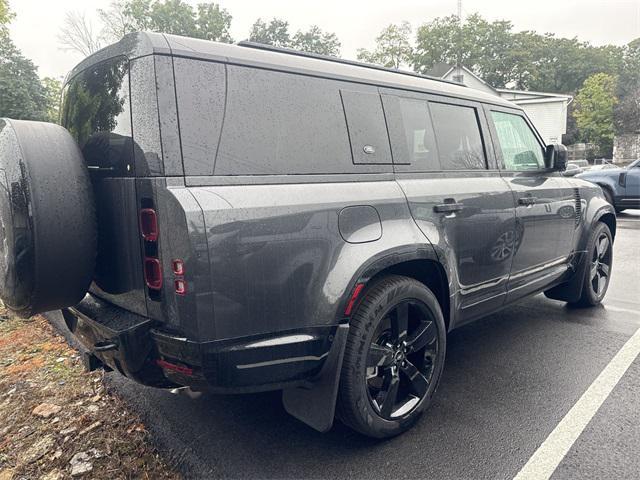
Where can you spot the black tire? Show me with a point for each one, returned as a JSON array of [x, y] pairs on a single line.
[[355, 399], [599, 263], [47, 218]]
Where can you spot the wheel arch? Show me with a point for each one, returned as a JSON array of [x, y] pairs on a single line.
[[421, 264]]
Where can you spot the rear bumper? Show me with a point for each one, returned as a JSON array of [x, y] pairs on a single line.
[[141, 349]]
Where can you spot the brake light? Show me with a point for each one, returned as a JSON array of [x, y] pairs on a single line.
[[153, 273], [149, 224]]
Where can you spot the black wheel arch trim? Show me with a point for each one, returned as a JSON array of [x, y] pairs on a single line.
[[383, 261]]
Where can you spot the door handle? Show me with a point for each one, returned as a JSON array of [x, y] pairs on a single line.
[[527, 201], [448, 207]]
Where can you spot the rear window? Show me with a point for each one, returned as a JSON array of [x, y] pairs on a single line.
[[96, 110]]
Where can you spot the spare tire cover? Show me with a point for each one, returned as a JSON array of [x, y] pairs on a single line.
[[47, 218]]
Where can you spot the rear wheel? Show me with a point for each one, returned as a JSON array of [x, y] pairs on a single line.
[[598, 271], [393, 359]]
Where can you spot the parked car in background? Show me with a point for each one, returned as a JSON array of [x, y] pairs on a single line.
[[602, 166], [578, 163], [572, 169], [621, 185], [242, 218]]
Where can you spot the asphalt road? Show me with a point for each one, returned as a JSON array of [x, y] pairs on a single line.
[[509, 380]]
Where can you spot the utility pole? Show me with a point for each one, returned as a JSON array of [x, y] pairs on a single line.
[[459, 77]]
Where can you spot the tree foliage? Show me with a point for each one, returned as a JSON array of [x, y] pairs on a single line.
[[52, 92], [207, 20], [393, 47], [593, 112], [23, 96], [627, 112], [502, 57], [276, 33], [5, 14], [315, 40]]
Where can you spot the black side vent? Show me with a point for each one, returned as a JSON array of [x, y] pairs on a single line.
[[576, 197]]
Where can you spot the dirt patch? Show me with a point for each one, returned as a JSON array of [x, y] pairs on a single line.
[[56, 420]]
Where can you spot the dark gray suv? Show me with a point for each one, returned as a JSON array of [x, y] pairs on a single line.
[[238, 218]]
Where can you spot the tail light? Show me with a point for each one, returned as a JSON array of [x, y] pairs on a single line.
[[150, 233], [153, 273], [149, 224]]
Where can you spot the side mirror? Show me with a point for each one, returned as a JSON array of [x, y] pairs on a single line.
[[556, 157]]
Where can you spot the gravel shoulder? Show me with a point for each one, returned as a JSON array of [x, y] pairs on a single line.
[[58, 421]]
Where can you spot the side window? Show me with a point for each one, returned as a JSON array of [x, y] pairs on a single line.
[[200, 93], [411, 133], [458, 136], [281, 123], [367, 128], [520, 147]]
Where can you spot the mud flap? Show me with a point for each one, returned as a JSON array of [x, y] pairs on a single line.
[[315, 404]]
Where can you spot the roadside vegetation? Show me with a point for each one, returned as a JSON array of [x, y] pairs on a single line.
[[58, 421]]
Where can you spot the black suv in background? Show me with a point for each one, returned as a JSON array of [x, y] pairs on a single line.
[[237, 218]]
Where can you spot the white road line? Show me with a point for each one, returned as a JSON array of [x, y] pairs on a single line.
[[624, 310], [549, 455]]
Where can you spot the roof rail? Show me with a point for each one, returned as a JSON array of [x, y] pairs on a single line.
[[328, 58]]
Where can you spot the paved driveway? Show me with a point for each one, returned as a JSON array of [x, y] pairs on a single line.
[[509, 381]]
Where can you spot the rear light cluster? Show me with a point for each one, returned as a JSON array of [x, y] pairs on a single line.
[[152, 266], [150, 234]]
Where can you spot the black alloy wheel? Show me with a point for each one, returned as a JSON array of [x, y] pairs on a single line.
[[393, 359], [601, 265], [400, 363]]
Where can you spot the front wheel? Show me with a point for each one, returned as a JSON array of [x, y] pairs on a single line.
[[598, 271], [393, 358]]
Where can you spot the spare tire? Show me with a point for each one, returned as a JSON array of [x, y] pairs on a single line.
[[47, 218]]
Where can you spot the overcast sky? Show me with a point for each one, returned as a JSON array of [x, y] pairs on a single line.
[[356, 22]]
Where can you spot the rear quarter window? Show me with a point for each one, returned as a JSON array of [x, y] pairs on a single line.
[[96, 111]]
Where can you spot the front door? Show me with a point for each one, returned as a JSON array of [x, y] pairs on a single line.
[[545, 204]]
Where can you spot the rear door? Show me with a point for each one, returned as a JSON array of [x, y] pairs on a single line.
[[545, 203], [455, 193]]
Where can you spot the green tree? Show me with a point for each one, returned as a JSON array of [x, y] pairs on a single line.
[[52, 92], [627, 112], [593, 112], [504, 58], [5, 14], [23, 96], [213, 22], [393, 48], [207, 21], [275, 33], [315, 40]]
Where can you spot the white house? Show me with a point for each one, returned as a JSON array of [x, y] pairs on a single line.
[[547, 111]]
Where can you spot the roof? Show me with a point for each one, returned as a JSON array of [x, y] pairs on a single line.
[[534, 94], [440, 69], [140, 44]]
